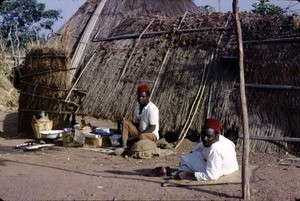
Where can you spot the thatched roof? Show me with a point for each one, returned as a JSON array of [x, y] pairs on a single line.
[[190, 65]]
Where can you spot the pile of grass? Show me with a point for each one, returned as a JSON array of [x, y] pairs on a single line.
[[44, 84], [8, 94]]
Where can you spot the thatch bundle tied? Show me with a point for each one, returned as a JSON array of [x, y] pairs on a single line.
[[44, 86]]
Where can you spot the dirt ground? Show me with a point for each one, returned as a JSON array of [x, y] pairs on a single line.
[[62, 173]]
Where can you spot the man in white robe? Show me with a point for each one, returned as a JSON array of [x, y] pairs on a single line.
[[212, 158]]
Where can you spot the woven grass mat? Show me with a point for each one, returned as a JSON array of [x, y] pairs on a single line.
[[234, 178], [111, 150], [105, 150]]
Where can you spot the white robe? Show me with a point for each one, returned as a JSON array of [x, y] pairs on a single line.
[[210, 163]]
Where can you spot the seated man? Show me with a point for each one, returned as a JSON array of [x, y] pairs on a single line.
[[212, 158], [145, 119]]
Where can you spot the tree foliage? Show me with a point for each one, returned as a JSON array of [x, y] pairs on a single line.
[[22, 21], [265, 8], [207, 8]]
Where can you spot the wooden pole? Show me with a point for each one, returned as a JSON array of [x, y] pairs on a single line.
[[49, 98], [47, 71], [269, 86], [47, 111], [273, 138], [77, 80], [275, 40], [85, 38], [245, 162], [194, 107], [199, 97], [157, 33], [133, 49]]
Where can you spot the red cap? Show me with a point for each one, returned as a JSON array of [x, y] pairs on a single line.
[[214, 124], [143, 88]]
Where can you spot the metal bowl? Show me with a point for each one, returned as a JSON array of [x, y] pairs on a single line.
[[51, 134]]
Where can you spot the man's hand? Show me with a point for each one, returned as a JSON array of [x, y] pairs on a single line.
[[120, 120]]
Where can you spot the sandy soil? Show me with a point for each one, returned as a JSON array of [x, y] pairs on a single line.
[[61, 173]]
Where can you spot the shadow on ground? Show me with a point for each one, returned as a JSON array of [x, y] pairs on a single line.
[[10, 127]]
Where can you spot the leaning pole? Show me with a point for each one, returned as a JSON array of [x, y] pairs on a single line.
[[245, 162]]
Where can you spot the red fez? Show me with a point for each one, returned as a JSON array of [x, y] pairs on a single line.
[[143, 88], [214, 124]]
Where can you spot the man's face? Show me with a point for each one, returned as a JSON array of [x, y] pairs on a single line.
[[209, 137], [143, 98]]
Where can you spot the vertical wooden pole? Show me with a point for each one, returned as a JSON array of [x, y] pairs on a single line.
[[245, 163]]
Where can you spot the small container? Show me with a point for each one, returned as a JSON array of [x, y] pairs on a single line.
[[82, 122], [68, 137], [103, 131], [51, 134], [67, 130], [115, 140], [77, 126]]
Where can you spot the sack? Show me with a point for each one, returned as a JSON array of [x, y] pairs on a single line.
[[38, 126], [144, 149]]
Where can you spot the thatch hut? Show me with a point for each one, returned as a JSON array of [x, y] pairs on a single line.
[[43, 87], [189, 58]]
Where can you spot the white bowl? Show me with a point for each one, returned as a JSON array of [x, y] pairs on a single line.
[[51, 134]]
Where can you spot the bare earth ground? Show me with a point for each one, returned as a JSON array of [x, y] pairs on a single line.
[[61, 173]]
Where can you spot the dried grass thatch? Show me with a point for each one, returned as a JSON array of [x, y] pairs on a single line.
[[182, 58], [44, 86], [8, 94]]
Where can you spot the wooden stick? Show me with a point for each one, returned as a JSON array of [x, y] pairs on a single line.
[[271, 138], [47, 71], [59, 34], [42, 86], [133, 50], [276, 40], [53, 89], [269, 86], [208, 104], [44, 56], [246, 145], [48, 98], [198, 99], [165, 58], [77, 80], [48, 111], [192, 110], [190, 119], [152, 34], [208, 115], [128, 60]]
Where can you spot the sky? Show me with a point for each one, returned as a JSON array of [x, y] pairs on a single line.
[[69, 7]]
